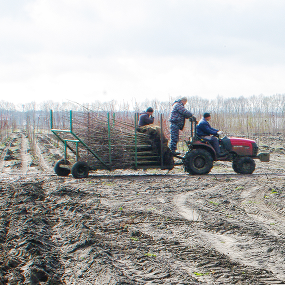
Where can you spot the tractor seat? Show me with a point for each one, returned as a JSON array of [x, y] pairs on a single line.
[[202, 140]]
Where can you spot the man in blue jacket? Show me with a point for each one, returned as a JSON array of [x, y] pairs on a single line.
[[146, 117], [205, 131], [177, 122]]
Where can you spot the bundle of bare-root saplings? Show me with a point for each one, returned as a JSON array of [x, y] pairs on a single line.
[[118, 144]]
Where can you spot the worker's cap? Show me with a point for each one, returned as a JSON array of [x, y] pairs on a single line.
[[206, 115], [149, 109], [183, 99]]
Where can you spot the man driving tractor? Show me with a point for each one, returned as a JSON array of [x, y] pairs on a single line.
[[206, 132]]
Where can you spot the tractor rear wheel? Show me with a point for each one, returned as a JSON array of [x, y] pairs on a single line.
[[62, 171], [80, 170], [244, 165], [198, 161]]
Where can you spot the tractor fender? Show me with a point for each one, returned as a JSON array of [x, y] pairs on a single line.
[[205, 146]]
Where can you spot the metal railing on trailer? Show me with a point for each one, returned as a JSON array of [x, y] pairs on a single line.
[[79, 141], [76, 140]]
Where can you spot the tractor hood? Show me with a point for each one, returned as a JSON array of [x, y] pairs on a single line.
[[244, 147], [235, 140]]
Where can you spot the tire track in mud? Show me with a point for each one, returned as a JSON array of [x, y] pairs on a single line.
[[103, 251], [95, 251], [201, 258], [136, 246], [85, 251], [229, 229], [259, 203], [97, 244], [28, 254], [208, 264], [260, 209]]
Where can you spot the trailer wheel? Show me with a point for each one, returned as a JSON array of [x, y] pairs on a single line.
[[80, 170], [198, 161], [62, 171], [244, 165]]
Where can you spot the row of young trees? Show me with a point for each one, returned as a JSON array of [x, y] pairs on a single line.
[[248, 116], [8, 121]]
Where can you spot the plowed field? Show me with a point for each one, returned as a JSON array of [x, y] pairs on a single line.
[[138, 227]]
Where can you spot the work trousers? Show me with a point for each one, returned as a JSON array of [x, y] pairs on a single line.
[[174, 137], [214, 142]]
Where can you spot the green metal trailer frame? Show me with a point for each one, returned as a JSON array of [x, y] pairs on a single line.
[[78, 141]]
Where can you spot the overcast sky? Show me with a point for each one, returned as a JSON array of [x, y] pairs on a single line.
[[88, 50]]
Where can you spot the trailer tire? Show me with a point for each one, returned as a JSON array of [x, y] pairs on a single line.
[[62, 171], [244, 165], [198, 161], [80, 170]]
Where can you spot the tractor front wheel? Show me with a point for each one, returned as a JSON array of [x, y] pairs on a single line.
[[244, 165], [234, 166], [80, 170], [198, 161], [62, 171]]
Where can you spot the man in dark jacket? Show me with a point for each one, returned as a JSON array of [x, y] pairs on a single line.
[[205, 131], [177, 122], [146, 117]]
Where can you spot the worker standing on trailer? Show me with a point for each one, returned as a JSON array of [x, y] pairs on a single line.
[[177, 122], [205, 131], [146, 117]]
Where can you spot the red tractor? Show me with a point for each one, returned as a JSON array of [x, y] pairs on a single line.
[[201, 154]]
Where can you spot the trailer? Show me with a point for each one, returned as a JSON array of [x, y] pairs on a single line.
[[96, 141]]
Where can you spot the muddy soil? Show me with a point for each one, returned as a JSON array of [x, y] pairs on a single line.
[[139, 227]]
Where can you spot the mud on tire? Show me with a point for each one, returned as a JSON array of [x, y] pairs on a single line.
[[62, 171], [244, 165], [198, 161], [80, 170], [234, 166]]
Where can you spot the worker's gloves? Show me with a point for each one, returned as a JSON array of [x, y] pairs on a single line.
[[220, 133]]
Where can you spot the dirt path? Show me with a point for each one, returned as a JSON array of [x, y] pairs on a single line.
[[138, 227], [25, 157]]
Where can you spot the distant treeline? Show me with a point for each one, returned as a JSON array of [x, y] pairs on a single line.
[[248, 116]]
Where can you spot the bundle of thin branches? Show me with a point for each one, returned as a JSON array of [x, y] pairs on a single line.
[[114, 142]]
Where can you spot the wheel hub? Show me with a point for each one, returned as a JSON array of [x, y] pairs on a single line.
[[199, 162]]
